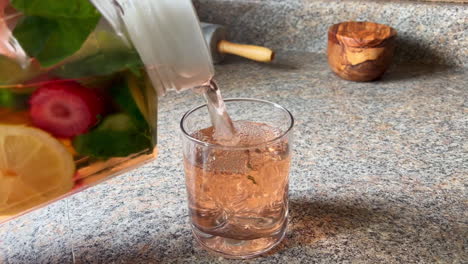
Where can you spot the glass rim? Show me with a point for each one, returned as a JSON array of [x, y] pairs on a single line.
[[206, 144]]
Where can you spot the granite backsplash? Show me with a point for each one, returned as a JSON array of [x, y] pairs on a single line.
[[428, 32]]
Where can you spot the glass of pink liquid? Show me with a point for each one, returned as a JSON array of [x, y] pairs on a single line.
[[238, 193]]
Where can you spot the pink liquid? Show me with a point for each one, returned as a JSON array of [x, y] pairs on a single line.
[[239, 194]]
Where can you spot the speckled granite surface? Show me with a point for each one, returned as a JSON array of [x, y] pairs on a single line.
[[379, 176], [431, 33]]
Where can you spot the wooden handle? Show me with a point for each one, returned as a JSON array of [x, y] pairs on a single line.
[[252, 52]]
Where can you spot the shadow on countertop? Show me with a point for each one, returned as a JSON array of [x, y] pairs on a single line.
[[411, 61], [381, 232], [407, 71], [315, 221]]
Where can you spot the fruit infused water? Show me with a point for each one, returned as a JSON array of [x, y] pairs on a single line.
[[78, 100], [237, 190], [76, 103], [240, 194]]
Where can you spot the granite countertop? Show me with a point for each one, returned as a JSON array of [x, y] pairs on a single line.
[[379, 176]]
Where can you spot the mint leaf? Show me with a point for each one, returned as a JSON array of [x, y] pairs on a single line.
[[103, 53], [52, 30], [56, 8], [102, 63], [116, 136], [120, 134], [16, 101], [109, 143], [124, 99], [34, 28], [51, 41]]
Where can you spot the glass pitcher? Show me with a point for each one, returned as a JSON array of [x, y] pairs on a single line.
[[79, 83]]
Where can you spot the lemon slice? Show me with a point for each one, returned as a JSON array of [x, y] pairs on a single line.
[[34, 168]]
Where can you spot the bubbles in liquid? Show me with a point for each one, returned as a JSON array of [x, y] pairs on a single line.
[[246, 134], [239, 192], [251, 135]]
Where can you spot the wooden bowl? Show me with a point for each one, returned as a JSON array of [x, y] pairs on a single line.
[[360, 51]]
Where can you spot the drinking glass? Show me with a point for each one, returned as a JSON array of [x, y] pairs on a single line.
[[238, 194]]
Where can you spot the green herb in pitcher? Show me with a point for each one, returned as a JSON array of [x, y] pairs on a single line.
[[75, 102]]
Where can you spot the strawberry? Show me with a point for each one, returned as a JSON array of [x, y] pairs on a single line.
[[65, 108]]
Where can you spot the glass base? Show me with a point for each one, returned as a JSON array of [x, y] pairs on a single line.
[[238, 249]]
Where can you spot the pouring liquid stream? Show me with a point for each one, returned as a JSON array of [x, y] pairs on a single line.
[[146, 21], [224, 130]]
